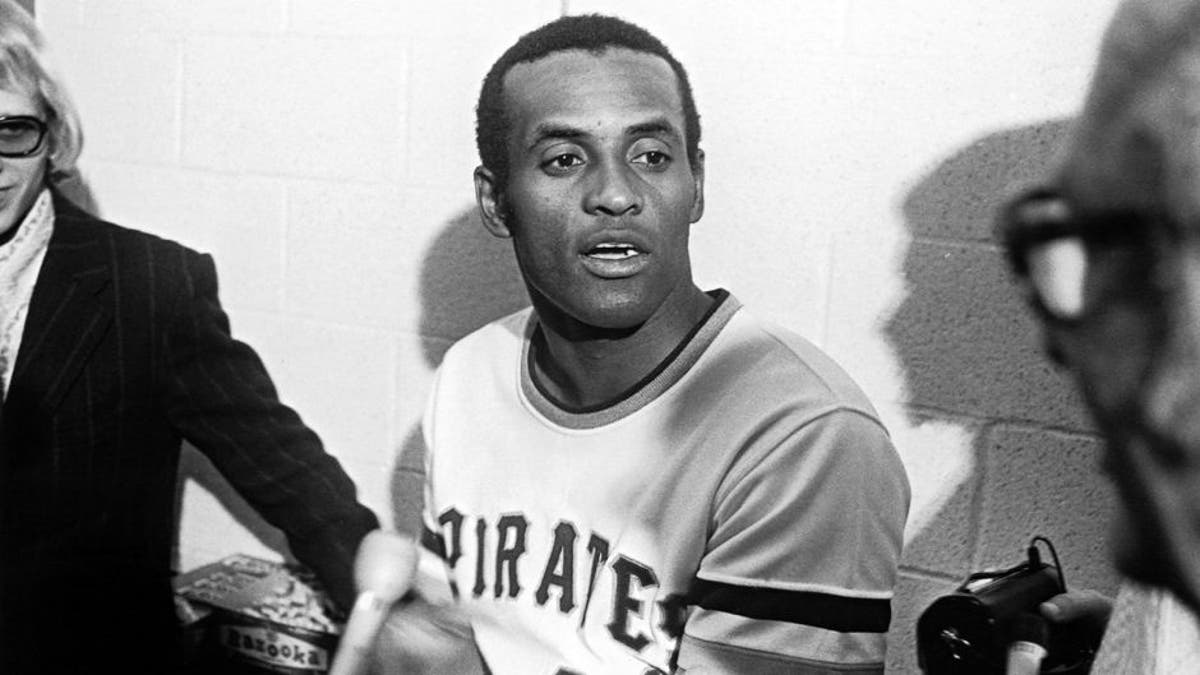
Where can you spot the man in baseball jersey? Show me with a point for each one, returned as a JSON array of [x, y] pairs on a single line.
[[635, 475]]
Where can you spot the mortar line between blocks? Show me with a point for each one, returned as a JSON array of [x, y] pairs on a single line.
[[981, 477]]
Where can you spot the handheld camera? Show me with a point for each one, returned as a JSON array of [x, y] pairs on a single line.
[[970, 631]]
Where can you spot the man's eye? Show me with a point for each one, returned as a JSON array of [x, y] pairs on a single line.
[[653, 159], [563, 162]]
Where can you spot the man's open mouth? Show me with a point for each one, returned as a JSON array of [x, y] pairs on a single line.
[[615, 259], [613, 251]]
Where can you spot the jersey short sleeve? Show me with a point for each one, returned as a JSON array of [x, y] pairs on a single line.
[[800, 566]]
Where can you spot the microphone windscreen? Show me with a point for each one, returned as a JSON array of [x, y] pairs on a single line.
[[386, 565], [384, 570]]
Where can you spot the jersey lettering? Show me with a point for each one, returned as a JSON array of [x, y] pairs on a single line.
[[507, 554], [455, 520], [560, 569], [598, 548], [480, 549], [633, 583], [624, 604]]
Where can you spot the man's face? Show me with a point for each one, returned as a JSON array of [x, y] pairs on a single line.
[[600, 195], [1136, 354]]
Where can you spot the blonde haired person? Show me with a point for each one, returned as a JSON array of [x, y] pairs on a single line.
[[25, 67], [113, 349]]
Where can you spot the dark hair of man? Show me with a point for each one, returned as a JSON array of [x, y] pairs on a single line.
[[592, 32]]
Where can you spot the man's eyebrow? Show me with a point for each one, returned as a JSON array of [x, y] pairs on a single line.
[[659, 126], [543, 132]]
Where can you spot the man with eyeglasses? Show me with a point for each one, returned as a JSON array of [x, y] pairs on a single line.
[[1109, 252], [114, 348]]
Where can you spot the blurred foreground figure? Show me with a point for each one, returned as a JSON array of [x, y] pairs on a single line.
[[113, 349], [1110, 253], [636, 475]]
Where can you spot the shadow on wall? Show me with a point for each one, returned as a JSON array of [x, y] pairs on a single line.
[[972, 357], [468, 279]]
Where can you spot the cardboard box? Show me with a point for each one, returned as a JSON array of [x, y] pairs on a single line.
[[267, 616]]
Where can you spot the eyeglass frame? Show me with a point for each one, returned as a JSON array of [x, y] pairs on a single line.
[[1019, 235], [41, 126]]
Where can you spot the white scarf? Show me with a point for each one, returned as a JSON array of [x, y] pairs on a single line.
[[20, 261]]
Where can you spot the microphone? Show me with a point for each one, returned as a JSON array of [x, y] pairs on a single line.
[[1030, 635], [384, 569]]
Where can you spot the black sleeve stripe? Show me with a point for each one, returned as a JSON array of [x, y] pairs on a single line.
[[821, 610], [433, 542]]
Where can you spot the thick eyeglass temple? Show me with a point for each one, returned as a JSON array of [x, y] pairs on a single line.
[[1042, 216], [1052, 247], [21, 135], [1036, 216]]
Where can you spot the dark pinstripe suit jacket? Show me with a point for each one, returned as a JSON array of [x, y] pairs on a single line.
[[125, 352]]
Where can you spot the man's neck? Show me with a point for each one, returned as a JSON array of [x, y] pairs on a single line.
[[585, 366]]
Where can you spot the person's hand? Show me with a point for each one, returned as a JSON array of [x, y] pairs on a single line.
[[420, 638], [1085, 613], [1086, 605]]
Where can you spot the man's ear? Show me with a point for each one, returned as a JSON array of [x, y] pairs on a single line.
[[698, 178], [491, 203]]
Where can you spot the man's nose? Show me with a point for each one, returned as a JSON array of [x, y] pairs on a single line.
[[613, 191]]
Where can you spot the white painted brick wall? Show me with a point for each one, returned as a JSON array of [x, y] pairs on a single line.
[[855, 151]]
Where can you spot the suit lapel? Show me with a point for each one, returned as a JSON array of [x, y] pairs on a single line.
[[69, 311]]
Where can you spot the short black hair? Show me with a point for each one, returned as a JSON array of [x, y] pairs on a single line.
[[591, 32]]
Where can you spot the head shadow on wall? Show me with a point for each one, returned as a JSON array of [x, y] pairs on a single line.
[[468, 279], [972, 358], [973, 362]]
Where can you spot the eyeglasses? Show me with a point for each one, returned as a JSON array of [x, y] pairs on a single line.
[[1071, 260], [21, 135]]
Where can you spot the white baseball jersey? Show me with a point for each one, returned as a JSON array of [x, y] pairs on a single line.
[[741, 508]]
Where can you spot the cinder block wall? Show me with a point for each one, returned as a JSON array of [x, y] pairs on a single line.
[[856, 150]]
